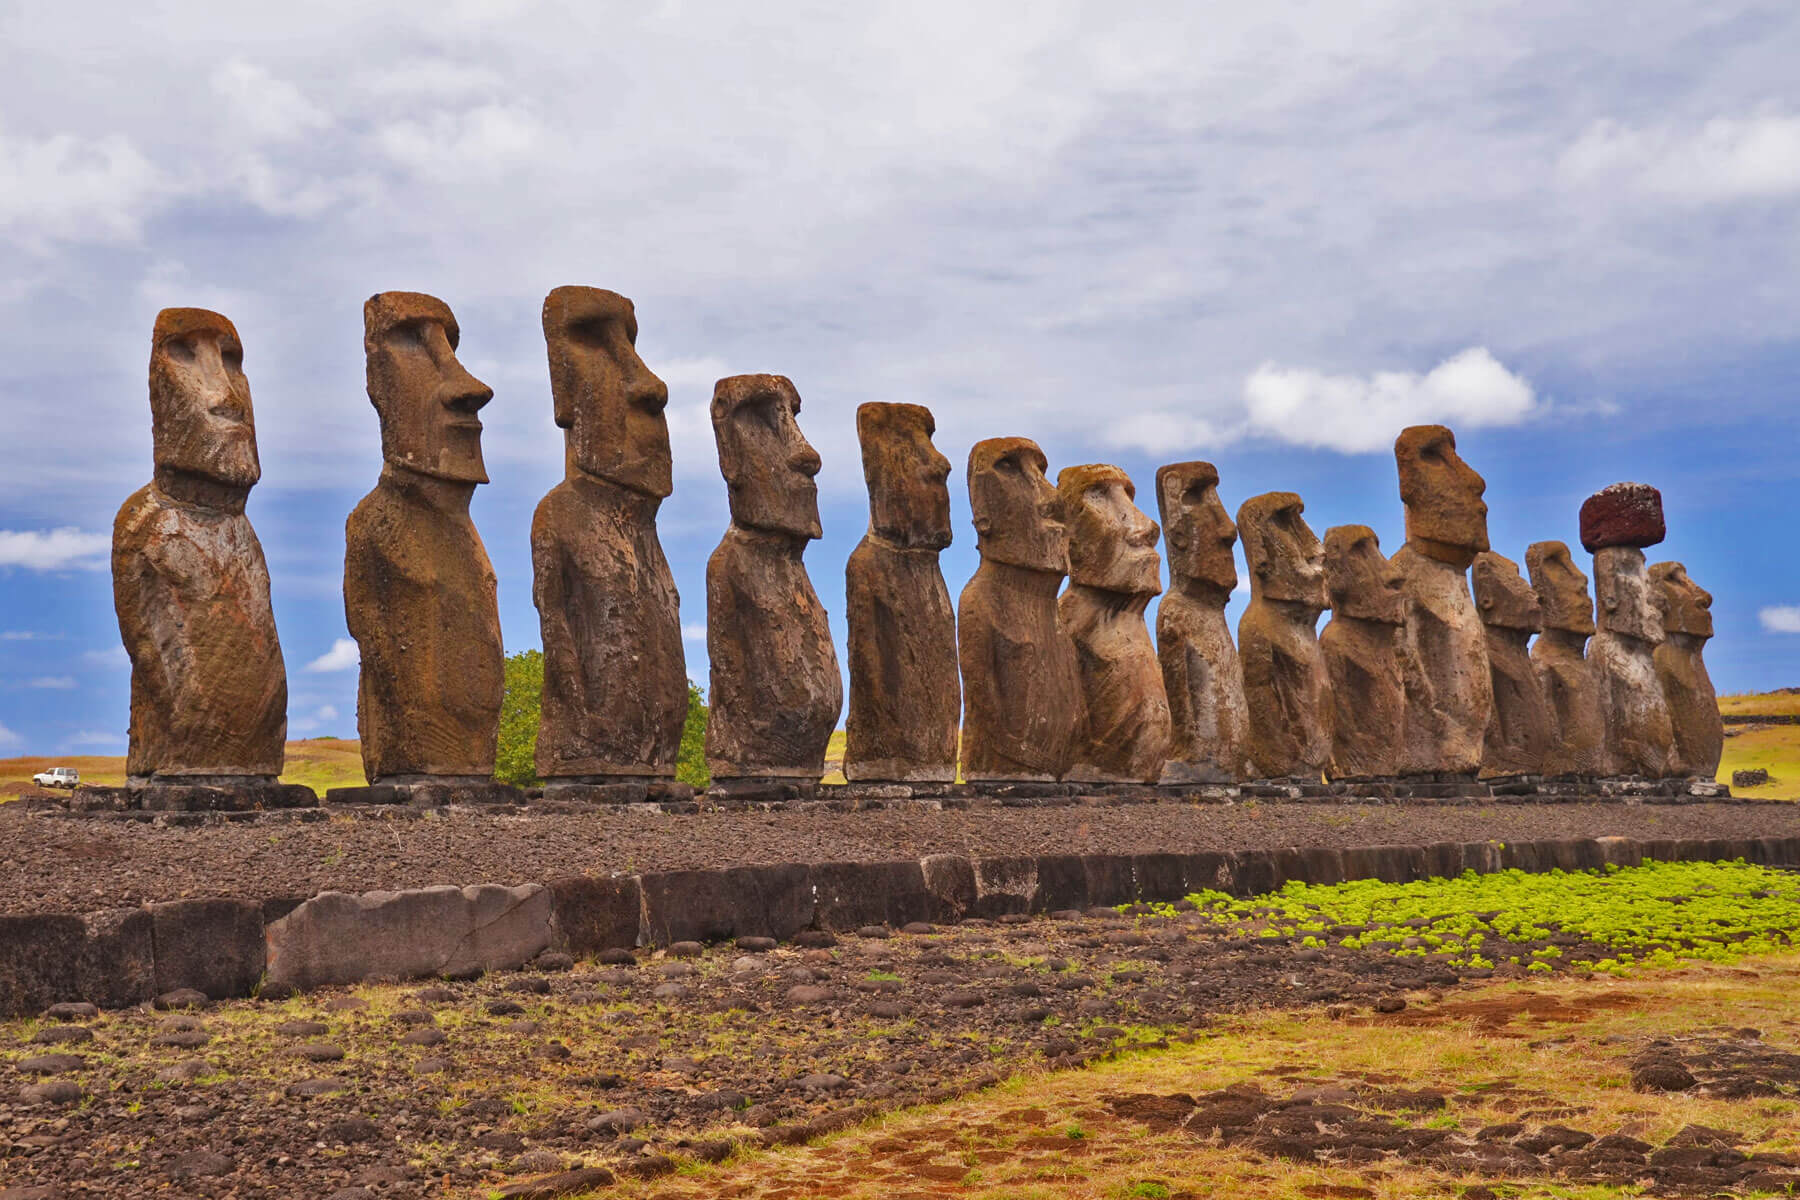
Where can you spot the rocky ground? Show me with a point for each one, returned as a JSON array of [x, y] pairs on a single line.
[[50, 863]]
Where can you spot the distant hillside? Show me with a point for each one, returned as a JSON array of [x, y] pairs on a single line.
[[319, 763]]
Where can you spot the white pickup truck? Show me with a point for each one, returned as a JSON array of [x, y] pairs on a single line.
[[57, 777]]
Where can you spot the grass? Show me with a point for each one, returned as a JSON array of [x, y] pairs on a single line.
[[319, 763], [1764, 704]]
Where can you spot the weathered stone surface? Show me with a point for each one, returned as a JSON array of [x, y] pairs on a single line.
[[1020, 679], [190, 585], [849, 895], [776, 691], [214, 946], [1449, 693], [1114, 572], [1571, 685], [340, 938], [1361, 644], [1202, 678], [1640, 738], [905, 697], [1623, 514], [419, 592], [1286, 684], [1521, 729], [596, 912], [615, 672], [106, 958], [1687, 688], [712, 906]]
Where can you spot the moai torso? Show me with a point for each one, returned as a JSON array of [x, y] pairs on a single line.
[[1693, 705], [1202, 678], [419, 593], [905, 697], [1570, 685], [1616, 524], [1521, 730], [1361, 644], [776, 691], [1449, 692], [1113, 574], [1286, 685], [1021, 683], [190, 586], [615, 670]]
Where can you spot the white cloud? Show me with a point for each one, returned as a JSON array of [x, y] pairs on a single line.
[[1358, 414], [112, 656], [264, 106], [59, 683], [327, 712], [693, 632], [66, 188], [28, 635], [1723, 159], [8, 737], [1162, 432], [342, 656], [1780, 618], [56, 550], [94, 737]]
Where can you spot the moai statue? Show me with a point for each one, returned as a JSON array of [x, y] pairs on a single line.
[[776, 690], [1286, 684], [1571, 685], [1693, 705], [1522, 729], [208, 686], [1449, 694], [1616, 524], [1021, 682], [1361, 643], [1113, 573], [1202, 680], [615, 675], [418, 588], [905, 698]]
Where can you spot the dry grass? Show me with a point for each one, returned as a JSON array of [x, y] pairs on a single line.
[[319, 763], [1776, 749], [1766, 704]]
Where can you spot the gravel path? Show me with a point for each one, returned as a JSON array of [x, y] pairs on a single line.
[[80, 866]]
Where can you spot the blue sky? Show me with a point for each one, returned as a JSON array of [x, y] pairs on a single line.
[[1268, 239]]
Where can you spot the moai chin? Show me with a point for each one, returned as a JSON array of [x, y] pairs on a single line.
[[1114, 572], [1617, 523], [905, 698], [1521, 731], [1571, 684], [1286, 684], [1202, 678], [419, 592], [776, 691], [190, 586], [1687, 688], [1021, 682], [1361, 644], [615, 673], [1449, 693]]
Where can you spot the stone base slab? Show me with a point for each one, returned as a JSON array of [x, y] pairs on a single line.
[[184, 797], [428, 795], [615, 791]]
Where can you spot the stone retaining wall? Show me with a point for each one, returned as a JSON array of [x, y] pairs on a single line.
[[225, 947]]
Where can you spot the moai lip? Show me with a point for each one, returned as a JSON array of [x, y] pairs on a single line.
[[1693, 705], [905, 695], [1114, 571], [1203, 680], [1570, 682], [190, 584], [615, 669], [1286, 684], [1624, 514], [419, 591], [1022, 699], [1521, 731], [776, 692], [1361, 644]]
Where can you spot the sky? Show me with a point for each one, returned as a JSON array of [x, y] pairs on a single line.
[[1269, 236]]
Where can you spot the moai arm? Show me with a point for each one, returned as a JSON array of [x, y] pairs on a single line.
[[551, 594]]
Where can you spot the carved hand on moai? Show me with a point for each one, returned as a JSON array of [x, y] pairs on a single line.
[[909, 496], [1019, 517], [609, 403], [427, 401], [1198, 531], [202, 422], [769, 466]]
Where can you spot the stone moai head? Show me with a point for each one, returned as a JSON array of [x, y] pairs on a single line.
[[200, 415], [1362, 583], [1617, 523], [428, 403], [1446, 517], [1562, 589], [1287, 560], [769, 466], [1018, 513], [1506, 601], [608, 402], [1112, 545], [1686, 606], [909, 494], [1197, 530]]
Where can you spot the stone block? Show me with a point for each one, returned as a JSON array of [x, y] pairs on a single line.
[[950, 882], [1062, 882], [591, 913], [705, 906], [1109, 878], [1004, 885], [104, 958], [1624, 514], [1159, 876], [1211, 870], [849, 895], [214, 946], [337, 937], [1254, 873]]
